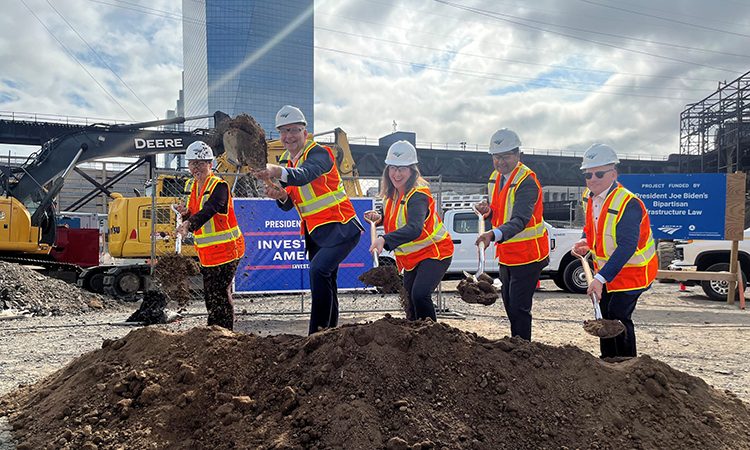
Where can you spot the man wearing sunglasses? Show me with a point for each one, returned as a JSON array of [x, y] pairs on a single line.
[[521, 242], [617, 231]]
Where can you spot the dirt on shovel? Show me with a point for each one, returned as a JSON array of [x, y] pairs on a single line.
[[243, 139], [172, 274], [388, 280], [481, 291], [603, 328]]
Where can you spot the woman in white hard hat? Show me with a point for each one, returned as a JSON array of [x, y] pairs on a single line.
[[311, 184], [217, 237], [414, 231]]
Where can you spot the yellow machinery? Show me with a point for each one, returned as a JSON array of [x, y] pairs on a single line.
[[130, 217]]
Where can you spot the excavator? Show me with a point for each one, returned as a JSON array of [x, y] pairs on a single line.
[[28, 212]]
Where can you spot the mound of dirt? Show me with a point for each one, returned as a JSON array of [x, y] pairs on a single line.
[[25, 290], [388, 384]]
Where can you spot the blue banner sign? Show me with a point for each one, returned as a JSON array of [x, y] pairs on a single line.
[[275, 258], [682, 206]]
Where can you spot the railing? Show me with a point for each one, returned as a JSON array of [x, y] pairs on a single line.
[[52, 118]]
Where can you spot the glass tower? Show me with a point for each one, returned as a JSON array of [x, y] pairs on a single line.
[[248, 56]]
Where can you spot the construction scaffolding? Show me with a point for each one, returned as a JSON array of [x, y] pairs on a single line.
[[715, 132]]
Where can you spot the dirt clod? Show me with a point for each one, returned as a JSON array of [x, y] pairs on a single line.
[[603, 328], [482, 291], [340, 393], [388, 280], [172, 273], [243, 138]]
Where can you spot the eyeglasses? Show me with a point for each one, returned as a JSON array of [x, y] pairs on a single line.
[[398, 168], [197, 163], [290, 130], [504, 156], [599, 174]]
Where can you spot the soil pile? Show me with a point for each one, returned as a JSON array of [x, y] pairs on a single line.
[[388, 384], [603, 328], [24, 290]]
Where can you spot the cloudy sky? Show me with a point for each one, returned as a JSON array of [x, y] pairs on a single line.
[[561, 73]]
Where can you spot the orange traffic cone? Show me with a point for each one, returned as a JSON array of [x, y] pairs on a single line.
[[683, 288], [538, 284]]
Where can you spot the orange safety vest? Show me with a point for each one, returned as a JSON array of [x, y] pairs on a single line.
[[531, 244], [640, 270], [433, 243], [219, 240], [324, 199]]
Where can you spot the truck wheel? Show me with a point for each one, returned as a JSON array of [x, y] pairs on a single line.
[[575, 278], [718, 290], [666, 252]]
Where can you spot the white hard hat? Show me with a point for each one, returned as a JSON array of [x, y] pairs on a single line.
[[289, 114], [401, 153], [199, 151], [599, 155], [503, 141]]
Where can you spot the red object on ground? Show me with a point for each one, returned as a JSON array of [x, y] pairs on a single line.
[[683, 287], [77, 246]]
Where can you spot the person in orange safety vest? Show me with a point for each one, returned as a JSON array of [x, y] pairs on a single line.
[[311, 184], [210, 216], [521, 241], [618, 233], [414, 231]]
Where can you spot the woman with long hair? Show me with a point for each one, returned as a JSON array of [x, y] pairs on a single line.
[[414, 231]]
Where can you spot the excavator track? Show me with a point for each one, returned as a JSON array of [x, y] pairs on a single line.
[[55, 269], [126, 282]]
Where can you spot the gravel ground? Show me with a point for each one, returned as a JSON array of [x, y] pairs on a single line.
[[683, 329]]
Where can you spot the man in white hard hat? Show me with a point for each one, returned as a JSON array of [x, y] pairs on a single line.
[[311, 184], [521, 242], [217, 237], [618, 234]]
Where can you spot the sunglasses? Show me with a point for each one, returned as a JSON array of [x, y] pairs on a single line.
[[599, 174]]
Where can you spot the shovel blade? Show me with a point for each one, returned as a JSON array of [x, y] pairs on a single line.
[[603, 328]]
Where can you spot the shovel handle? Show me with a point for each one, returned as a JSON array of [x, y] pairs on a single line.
[[480, 247], [178, 237], [373, 236]]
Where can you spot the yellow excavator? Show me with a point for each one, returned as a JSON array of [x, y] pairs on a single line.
[[130, 218]]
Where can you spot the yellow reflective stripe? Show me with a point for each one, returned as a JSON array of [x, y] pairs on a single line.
[[203, 240], [610, 220], [401, 212], [513, 183], [322, 202], [437, 235], [526, 234]]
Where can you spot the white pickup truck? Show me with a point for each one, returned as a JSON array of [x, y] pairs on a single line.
[[711, 256], [462, 224]]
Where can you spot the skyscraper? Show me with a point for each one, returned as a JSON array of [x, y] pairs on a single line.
[[248, 56]]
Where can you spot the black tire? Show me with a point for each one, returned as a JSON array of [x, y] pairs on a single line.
[[575, 278], [123, 284], [718, 290], [94, 283]]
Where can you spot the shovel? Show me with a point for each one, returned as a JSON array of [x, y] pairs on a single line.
[[480, 248], [599, 327], [178, 237], [373, 236]]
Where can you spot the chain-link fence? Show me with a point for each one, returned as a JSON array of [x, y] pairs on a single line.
[[274, 271]]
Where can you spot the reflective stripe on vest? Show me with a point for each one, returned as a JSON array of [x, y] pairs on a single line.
[[324, 199], [530, 244], [432, 242]]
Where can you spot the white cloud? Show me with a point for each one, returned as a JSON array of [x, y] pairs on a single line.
[[447, 74]]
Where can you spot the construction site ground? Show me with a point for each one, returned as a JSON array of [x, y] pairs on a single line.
[[681, 328]]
